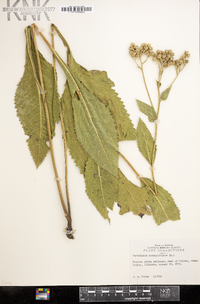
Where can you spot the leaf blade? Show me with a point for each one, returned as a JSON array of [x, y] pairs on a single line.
[[145, 141], [96, 131], [147, 110], [101, 187], [164, 95], [89, 110], [131, 198], [162, 205], [98, 83], [77, 152], [29, 103]]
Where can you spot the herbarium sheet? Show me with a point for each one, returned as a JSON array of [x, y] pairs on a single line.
[[100, 142]]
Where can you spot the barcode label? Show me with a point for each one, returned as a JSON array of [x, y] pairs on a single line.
[[76, 9]]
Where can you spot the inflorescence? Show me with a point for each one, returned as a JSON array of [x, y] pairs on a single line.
[[164, 58]]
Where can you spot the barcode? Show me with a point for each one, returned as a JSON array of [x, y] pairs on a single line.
[[76, 9]]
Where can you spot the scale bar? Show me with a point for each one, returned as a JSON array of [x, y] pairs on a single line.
[[91, 291], [129, 293]]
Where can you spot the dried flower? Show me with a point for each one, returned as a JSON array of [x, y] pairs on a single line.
[[164, 58], [144, 49], [182, 61]]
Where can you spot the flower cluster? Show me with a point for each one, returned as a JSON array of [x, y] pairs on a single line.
[[182, 61], [164, 58], [144, 49]]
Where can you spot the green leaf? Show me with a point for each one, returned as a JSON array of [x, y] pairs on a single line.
[[77, 152], [94, 126], [98, 83], [101, 187], [164, 94], [145, 141], [131, 198], [96, 131], [162, 205], [29, 104], [147, 110]]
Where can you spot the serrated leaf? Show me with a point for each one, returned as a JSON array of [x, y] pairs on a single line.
[[95, 128], [98, 83], [131, 197], [29, 104], [101, 187], [147, 110], [77, 152], [145, 141], [162, 205], [164, 94]]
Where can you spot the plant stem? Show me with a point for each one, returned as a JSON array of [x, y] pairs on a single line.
[[66, 169], [54, 59], [156, 126], [176, 77], [146, 84], [159, 99], [138, 175], [154, 148], [156, 129], [69, 229], [48, 125], [60, 61]]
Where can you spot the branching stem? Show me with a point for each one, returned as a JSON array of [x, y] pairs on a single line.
[[142, 63]]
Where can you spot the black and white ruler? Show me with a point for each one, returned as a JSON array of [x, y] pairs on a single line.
[[128, 293]]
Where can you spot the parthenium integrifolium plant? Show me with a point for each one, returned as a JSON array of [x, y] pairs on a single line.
[[93, 121]]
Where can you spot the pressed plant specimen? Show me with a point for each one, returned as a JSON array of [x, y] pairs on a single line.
[[160, 201], [93, 120]]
